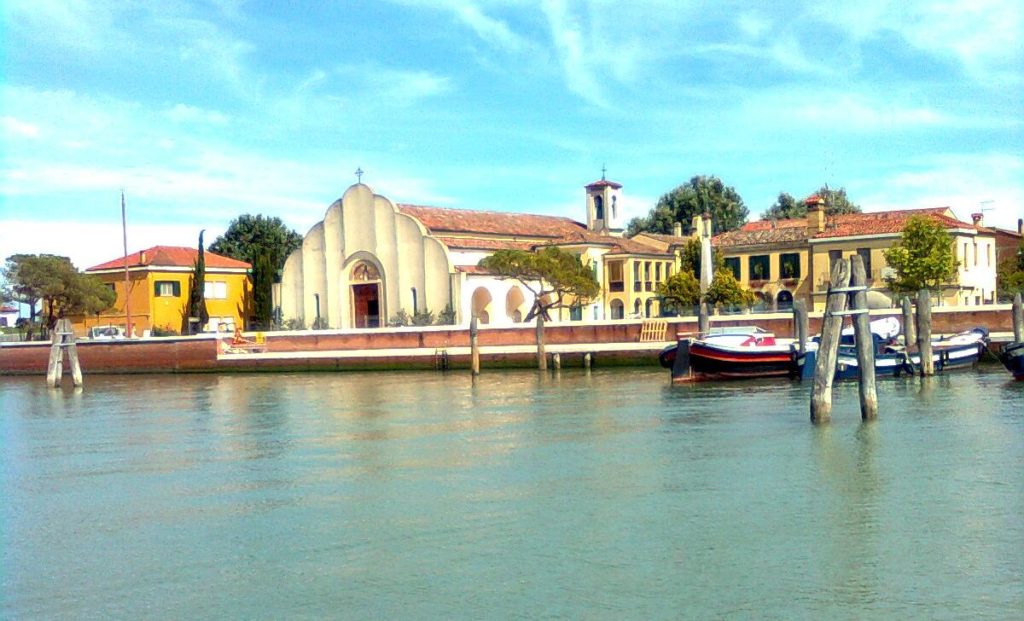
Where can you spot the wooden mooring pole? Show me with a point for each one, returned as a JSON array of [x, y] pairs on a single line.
[[924, 332], [800, 325], [542, 359], [828, 347], [703, 323], [63, 338], [1018, 319], [474, 347], [909, 334], [864, 339]]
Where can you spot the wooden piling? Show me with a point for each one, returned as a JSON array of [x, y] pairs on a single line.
[[556, 361], [924, 332], [542, 360], [703, 323], [588, 361], [909, 334], [828, 347], [800, 325], [1018, 319], [864, 339], [474, 347], [63, 338]]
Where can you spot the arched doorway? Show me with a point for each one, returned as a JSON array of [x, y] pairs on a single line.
[[365, 281], [784, 300], [636, 309], [513, 304], [617, 309], [481, 303]]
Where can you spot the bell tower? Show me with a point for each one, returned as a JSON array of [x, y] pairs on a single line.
[[604, 207]]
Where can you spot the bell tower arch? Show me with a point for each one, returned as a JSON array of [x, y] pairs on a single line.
[[604, 207]]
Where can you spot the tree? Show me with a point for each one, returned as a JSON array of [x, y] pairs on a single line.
[[53, 281], [725, 290], [689, 259], [680, 292], [923, 258], [247, 239], [556, 278], [196, 305], [1010, 276], [700, 195], [786, 207]]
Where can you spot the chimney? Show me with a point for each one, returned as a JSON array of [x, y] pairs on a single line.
[[142, 258], [677, 229], [1020, 226], [698, 226], [815, 215], [978, 218]]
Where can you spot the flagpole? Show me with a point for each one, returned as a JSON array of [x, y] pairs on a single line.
[[124, 233]]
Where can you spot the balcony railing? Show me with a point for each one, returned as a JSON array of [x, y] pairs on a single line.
[[616, 286]]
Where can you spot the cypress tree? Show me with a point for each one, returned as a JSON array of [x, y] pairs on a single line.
[[196, 306]]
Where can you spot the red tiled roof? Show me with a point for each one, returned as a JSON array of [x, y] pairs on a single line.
[[603, 183], [471, 269], [170, 256], [521, 231], [669, 239], [763, 232], [885, 222]]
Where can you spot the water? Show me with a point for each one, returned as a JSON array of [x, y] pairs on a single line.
[[612, 495]]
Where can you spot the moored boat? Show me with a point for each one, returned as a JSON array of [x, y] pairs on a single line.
[[957, 351], [743, 353], [1012, 358]]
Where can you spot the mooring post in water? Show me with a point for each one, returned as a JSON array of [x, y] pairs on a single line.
[[474, 347], [909, 335], [1018, 319], [703, 324], [865, 340], [63, 338], [588, 360], [542, 359], [800, 325], [828, 347], [556, 360], [924, 332]]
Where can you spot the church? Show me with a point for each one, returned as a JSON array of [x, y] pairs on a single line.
[[371, 260]]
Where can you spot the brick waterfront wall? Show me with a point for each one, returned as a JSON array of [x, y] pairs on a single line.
[[198, 354]]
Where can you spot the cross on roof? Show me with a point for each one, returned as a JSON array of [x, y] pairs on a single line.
[[603, 170], [359, 175]]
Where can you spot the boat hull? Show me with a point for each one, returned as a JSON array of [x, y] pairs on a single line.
[[697, 361], [899, 364], [1012, 358]]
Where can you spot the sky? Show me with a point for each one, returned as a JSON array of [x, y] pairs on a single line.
[[204, 111]]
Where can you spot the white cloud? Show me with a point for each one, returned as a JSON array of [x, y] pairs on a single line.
[[967, 183], [13, 127], [569, 41]]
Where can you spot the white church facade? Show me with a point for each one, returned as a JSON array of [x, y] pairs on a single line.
[[370, 259]]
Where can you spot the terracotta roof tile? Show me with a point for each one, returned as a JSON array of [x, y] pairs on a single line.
[[170, 256], [885, 222], [670, 239], [440, 220], [603, 183], [766, 232], [476, 243]]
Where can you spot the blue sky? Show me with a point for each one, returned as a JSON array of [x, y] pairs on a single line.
[[203, 111]]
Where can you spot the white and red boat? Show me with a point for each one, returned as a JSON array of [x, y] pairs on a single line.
[[734, 353]]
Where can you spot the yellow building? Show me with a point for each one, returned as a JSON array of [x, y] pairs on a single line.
[[157, 291], [791, 259]]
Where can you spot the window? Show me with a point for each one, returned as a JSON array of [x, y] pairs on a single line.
[[166, 289], [865, 254], [575, 313], [975, 253], [637, 283], [615, 282], [760, 267], [598, 208], [966, 263], [733, 264], [614, 209], [790, 265], [215, 290], [833, 256], [657, 272]]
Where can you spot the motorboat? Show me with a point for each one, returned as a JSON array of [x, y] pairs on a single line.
[[1012, 357], [733, 353], [892, 359]]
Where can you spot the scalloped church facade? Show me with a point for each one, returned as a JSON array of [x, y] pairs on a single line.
[[370, 258]]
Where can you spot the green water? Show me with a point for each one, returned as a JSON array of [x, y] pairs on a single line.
[[610, 495]]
